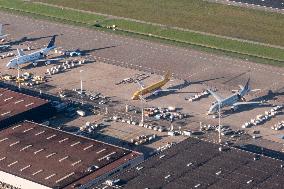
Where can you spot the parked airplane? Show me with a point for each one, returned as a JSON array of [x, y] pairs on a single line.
[[4, 47], [2, 36], [155, 88], [35, 57], [232, 100]]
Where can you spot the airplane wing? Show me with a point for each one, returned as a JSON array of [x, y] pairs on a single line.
[[52, 59], [167, 90], [140, 84], [20, 52], [158, 91], [215, 95], [247, 103]]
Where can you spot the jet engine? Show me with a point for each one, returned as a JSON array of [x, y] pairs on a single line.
[[234, 108]]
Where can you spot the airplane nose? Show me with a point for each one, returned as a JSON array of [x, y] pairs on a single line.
[[134, 98]]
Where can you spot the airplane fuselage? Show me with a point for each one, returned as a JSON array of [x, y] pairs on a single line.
[[229, 101], [149, 89], [33, 57]]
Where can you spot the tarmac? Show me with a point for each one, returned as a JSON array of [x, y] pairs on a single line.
[[114, 57]]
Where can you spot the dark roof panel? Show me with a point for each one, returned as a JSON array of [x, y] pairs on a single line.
[[13, 103], [52, 157], [195, 163]]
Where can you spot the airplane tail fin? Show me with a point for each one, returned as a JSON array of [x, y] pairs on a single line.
[[51, 42], [167, 76], [247, 85]]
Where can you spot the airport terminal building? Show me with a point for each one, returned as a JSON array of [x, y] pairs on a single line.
[[37, 156]]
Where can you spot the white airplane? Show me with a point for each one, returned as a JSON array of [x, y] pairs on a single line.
[[2, 36], [35, 57], [232, 100]]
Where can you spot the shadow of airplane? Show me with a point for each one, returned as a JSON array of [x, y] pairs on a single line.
[[183, 85], [27, 39], [203, 81], [87, 52], [244, 108], [235, 77], [270, 95], [171, 90], [20, 41]]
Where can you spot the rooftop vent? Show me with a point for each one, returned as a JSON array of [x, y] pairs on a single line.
[[75, 163], [168, 176], [250, 181], [49, 155], [24, 168], [39, 133], [19, 101], [16, 126], [50, 176], [196, 186], [38, 151], [65, 177], [63, 140], [27, 105], [37, 172], [3, 114], [26, 147], [15, 162], [8, 99], [28, 129], [86, 148]]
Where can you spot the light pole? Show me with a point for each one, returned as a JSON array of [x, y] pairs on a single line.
[[219, 130], [18, 68], [142, 109], [81, 82]]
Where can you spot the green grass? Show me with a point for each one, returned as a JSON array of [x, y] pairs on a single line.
[[239, 22], [59, 13], [200, 40], [254, 52]]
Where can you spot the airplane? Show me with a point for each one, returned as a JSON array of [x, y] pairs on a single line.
[[2, 36], [4, 47], [232, 100], [35, 57], [155, 88]]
